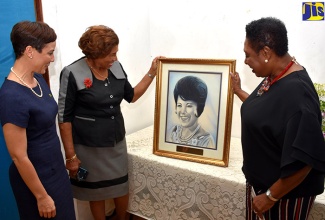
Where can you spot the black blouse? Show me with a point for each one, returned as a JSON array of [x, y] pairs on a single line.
[[94, 112], [281, 133]]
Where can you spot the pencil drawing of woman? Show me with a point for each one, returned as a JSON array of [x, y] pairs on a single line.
[[190, 94]]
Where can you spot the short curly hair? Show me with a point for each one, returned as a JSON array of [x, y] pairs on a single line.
[[192, 88], [31, 33], [269, 32], [98, 41]]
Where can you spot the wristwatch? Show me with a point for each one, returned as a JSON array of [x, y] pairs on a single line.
[[269, 195]]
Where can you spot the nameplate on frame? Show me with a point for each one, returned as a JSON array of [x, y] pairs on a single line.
[[189, 150]]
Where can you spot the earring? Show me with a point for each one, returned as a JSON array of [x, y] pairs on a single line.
[[31, 57], [266, 60]]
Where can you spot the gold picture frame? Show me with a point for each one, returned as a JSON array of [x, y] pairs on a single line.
[[179, 82]]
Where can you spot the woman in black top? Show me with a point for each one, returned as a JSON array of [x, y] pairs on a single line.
[[283, 145], [91, 122]]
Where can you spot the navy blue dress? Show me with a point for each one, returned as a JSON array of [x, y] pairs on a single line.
[[19, 106]]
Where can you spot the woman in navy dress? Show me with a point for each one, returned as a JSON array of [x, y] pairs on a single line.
[[28, 112]]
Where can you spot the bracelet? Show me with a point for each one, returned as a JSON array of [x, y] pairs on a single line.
[[71, 159], [151, 76], [269, 195]]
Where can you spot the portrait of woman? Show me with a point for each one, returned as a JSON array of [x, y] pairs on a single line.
[[190, 94]]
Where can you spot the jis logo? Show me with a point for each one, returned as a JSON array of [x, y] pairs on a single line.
[[313, 11]]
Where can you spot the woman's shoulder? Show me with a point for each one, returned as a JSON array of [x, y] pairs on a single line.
[[13, 101], [297, 92], [79, 70], [78, 67], [205, 139], [11, 90], [117, 70], [295, 84], [301, 81], [174, 130], [202, 132]]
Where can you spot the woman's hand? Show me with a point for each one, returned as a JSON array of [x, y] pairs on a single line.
[[143, 85], [281, 187], [46, 207], [235, 82], [154, 65], [261, 204], [72, 166], [236, 86]]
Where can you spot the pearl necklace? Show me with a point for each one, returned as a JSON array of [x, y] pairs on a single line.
[[21, 80], [190, 136]]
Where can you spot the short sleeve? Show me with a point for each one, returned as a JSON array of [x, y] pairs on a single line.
[[304, 142], [13, 108]]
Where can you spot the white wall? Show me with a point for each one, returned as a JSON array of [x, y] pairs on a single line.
[[180, 29]]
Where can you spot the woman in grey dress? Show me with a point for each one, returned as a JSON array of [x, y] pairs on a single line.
[[91, 122]]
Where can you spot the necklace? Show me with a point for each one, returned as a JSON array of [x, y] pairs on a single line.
[[190, 136], [21, 80], [93, 69], [267, 83]]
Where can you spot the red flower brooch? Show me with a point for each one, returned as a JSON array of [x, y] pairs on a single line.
[[88, 83]]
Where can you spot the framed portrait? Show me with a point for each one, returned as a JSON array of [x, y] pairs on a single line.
[[193, 110]]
